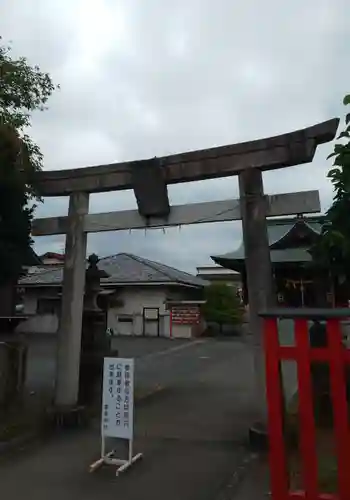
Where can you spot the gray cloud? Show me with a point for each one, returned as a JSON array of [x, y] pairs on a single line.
[[140, 79]]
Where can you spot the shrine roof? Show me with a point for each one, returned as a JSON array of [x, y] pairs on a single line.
[[280, 237]]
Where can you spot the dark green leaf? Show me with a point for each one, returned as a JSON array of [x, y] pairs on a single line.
[[331, 155], [338, 148], [344, 135], [346, 100]]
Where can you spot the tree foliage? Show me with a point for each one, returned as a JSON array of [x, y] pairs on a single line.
[[222, 304], [23, 90], [332, 250]]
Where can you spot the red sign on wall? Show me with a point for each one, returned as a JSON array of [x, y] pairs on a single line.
[[185, 315]]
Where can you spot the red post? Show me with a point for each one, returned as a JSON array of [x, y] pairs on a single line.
[[306, 412], [340, 407], [277, 455], [337, 357], [171, 324]]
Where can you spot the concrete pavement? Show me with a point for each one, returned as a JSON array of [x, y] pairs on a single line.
[[192, 434], [41, 362], [251, 484]]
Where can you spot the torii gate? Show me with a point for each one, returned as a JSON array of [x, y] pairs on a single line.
[[149, 180]]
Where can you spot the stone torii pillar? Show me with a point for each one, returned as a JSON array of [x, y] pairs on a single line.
[[149, 179], [69, 334], [261, 295]]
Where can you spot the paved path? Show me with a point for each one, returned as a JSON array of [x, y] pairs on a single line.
[[192, 435], [254, 485]]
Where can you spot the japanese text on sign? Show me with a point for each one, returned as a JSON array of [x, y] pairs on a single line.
[[185, 315], [118, 398]]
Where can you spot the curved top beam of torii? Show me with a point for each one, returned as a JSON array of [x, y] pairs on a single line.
[[284, 150]]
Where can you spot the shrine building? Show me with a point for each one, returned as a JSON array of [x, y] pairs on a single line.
[[296, 277]]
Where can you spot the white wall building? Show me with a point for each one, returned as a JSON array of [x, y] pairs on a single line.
[[218, 274], [142, 294]]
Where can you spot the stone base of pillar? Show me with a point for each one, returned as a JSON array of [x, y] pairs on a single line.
[[258, 437], [67, 417]]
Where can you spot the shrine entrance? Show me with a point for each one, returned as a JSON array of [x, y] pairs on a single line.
[[299, 293], [149, 180]]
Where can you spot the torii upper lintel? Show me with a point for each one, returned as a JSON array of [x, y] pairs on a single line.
[[284, 150]]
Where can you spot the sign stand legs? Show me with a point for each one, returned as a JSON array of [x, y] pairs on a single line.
[[109, 459]]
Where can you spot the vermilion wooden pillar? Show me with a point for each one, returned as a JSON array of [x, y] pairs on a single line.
[[303, 354]]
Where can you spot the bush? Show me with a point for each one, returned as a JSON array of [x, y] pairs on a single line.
[[222, 306]]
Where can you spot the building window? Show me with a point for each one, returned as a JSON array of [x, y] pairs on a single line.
[[125, 319]]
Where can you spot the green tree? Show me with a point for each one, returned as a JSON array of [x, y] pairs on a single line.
[[332, 250], [332, 253], [23, 90], [222, 305]]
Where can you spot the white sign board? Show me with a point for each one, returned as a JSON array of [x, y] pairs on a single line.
[[118, 398]]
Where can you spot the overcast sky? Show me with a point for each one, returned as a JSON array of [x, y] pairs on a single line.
[[144, 78]]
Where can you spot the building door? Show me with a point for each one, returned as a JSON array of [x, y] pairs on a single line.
[[151, 323]]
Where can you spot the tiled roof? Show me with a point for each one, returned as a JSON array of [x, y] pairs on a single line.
[[123, 268], [53, 255]]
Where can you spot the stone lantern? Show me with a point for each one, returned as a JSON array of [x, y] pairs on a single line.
[[95, 343]]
